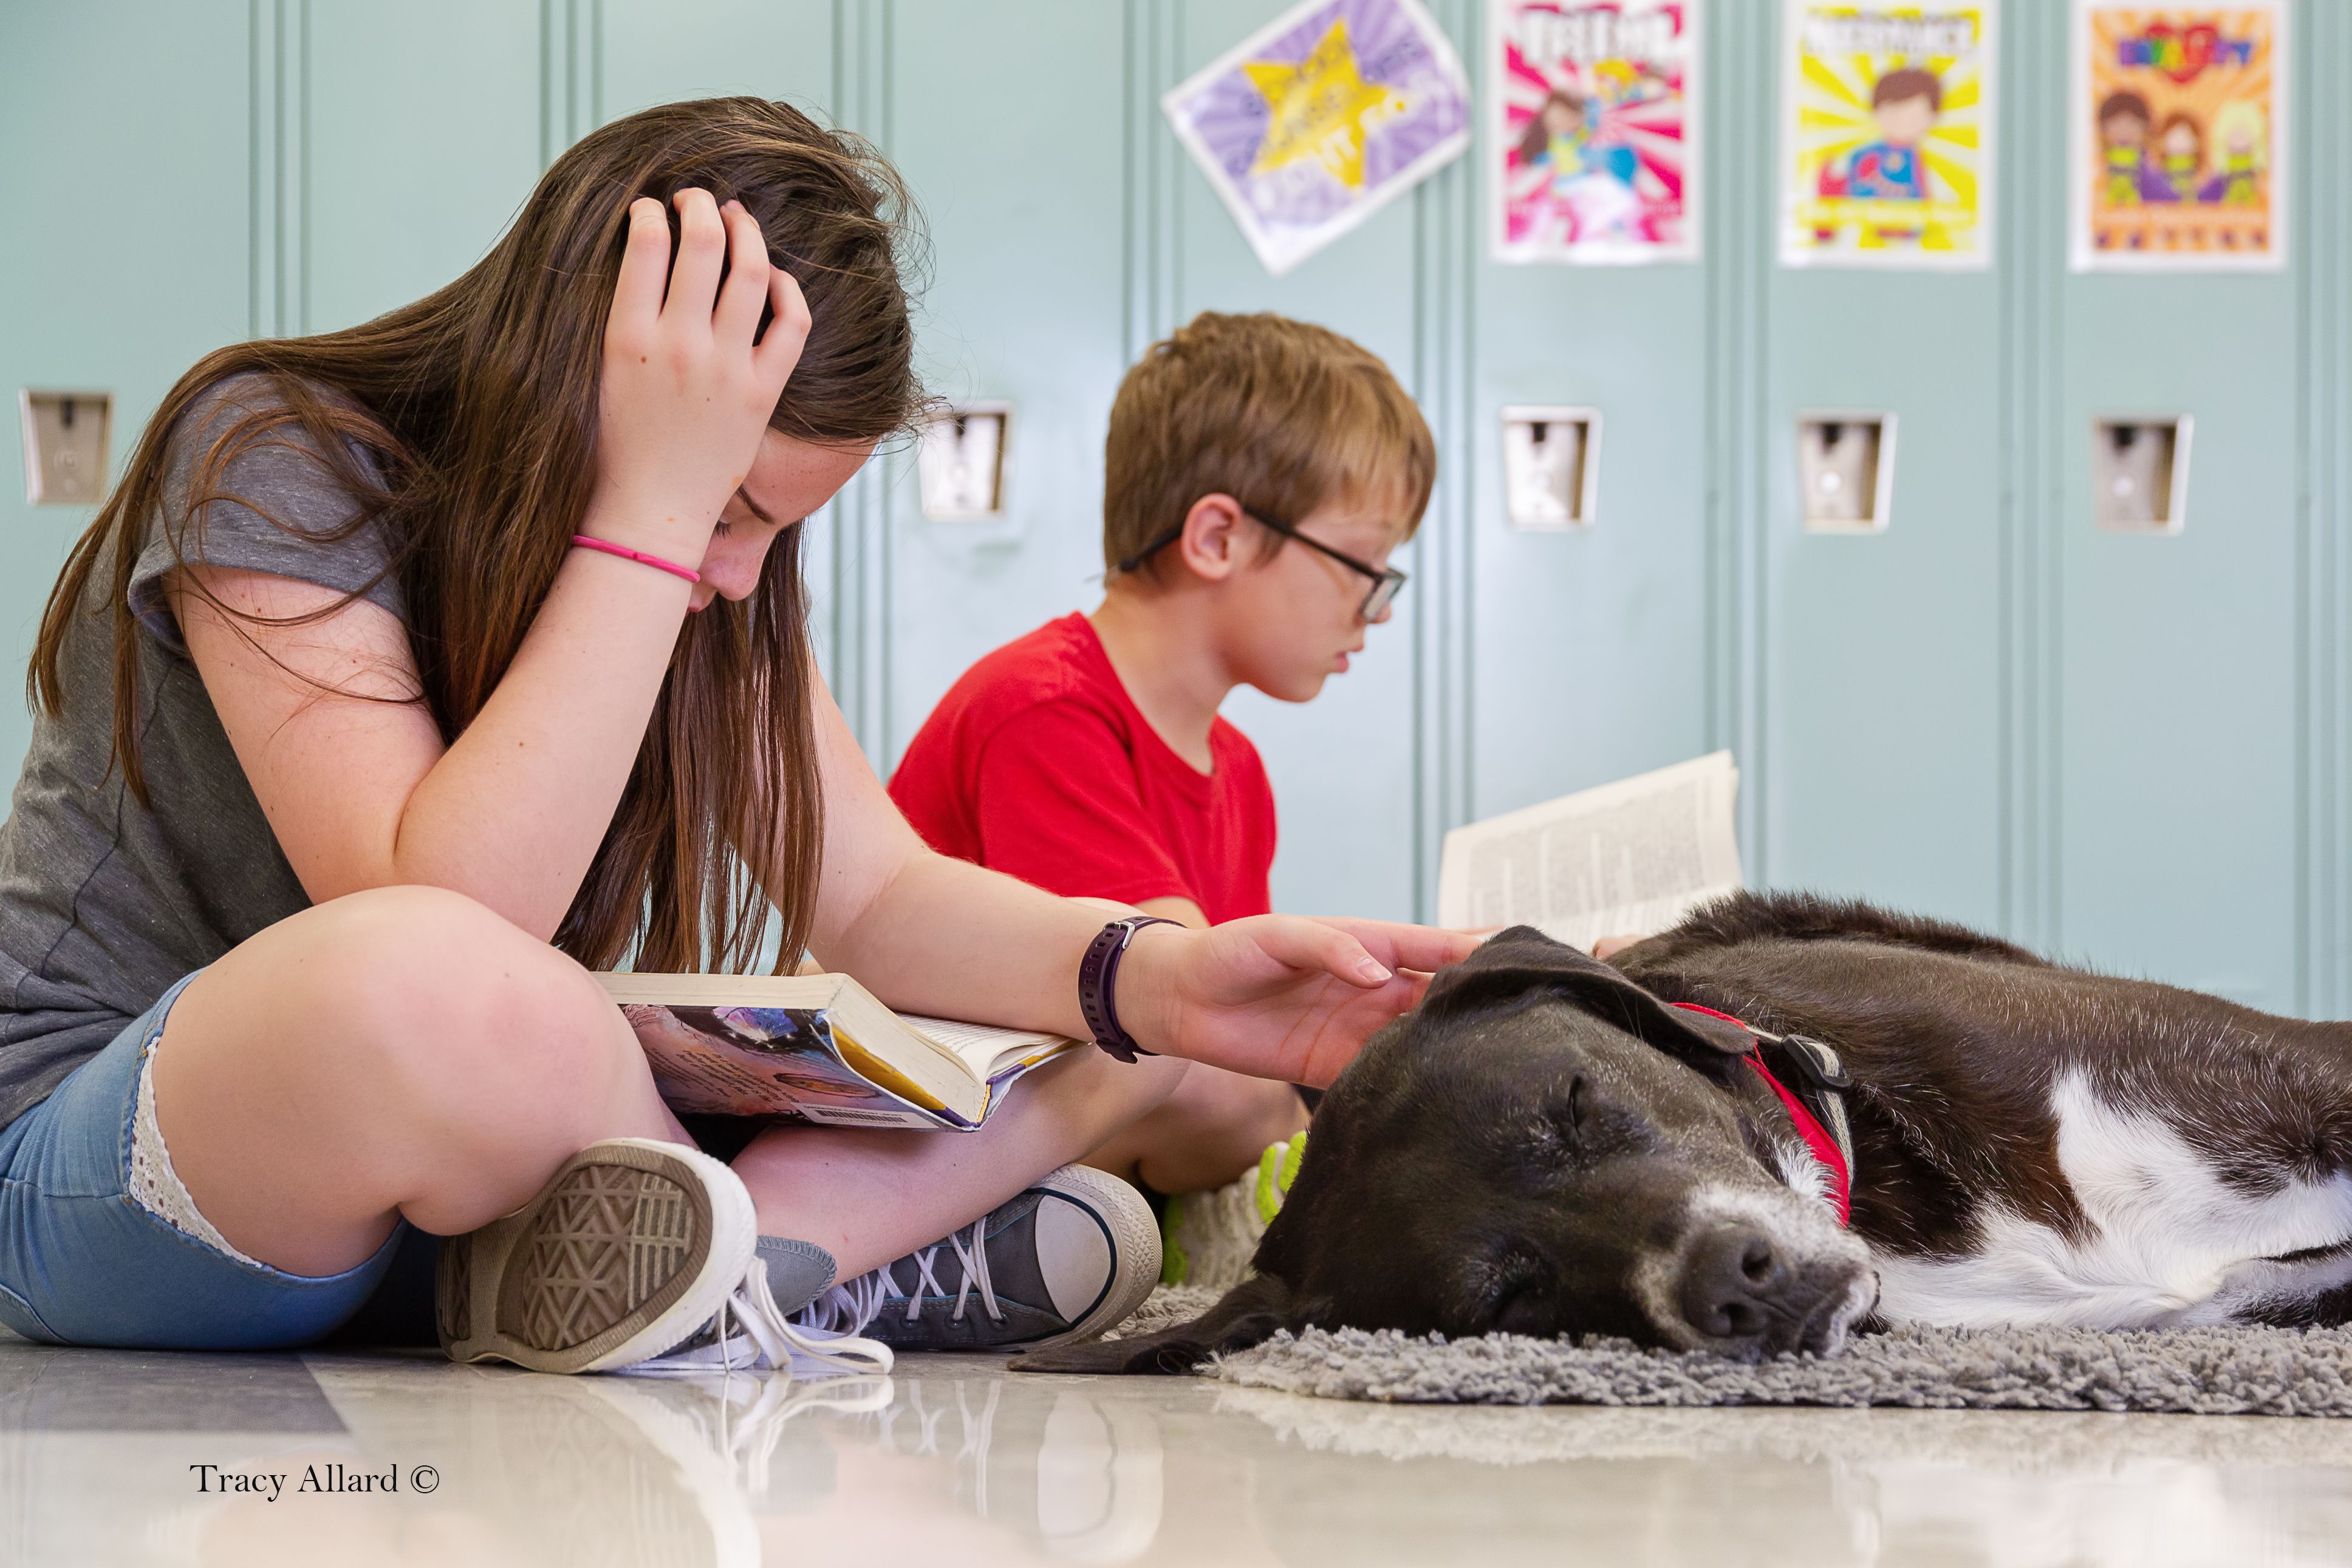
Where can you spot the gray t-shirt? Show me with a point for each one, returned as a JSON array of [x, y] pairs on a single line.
[[102, 904]]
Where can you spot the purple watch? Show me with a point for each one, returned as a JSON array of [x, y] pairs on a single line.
[[1097, 981]]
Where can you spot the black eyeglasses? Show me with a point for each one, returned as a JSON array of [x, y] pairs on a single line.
[[1386, 580]]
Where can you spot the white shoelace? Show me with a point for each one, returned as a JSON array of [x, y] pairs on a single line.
[[847, 1309], [747, 1436], [750, 1331]]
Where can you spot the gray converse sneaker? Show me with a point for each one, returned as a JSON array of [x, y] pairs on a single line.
[[637, 1256], [1071, 1257]]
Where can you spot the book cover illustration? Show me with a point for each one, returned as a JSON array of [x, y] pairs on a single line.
[[787, 1062], [1886, 154], [2177, 152], [1317, 119], [1594, 130]]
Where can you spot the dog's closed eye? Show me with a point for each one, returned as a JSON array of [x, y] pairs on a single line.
[[1540, 1141], [1519, 1298], [1566, 1117]]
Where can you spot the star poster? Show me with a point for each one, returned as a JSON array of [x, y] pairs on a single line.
[[1594, 124], [1886, 135], [1318, 118], [2178, 164]]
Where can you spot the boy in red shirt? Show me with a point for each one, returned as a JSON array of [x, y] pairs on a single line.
[[1258, 472]]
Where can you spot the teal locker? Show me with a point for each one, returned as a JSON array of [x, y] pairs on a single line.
[[135, 211], [2175, 659], [418, 137], [1589, 650], [1877, 743], [2177, 655], [1342, 766], [607, 59], [1019, 186], [645, 52], [2132, 748]]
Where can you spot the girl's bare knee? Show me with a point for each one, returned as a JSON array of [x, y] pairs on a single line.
[[460, 1014]]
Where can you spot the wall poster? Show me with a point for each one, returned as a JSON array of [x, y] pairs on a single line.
[[1594, 126], [1887, 153], [1321, 118], [2178, 161]]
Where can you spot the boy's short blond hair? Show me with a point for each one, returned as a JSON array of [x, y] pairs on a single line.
[[1282, 415]]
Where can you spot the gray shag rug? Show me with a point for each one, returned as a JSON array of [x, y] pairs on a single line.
[[2202, 1371]]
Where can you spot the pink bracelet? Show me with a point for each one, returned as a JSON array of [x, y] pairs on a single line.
[[640, 556]]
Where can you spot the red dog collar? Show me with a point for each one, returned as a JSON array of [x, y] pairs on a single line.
[[1832, 1150]]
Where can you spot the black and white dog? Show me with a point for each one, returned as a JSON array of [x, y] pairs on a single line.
[[1658, 1149]]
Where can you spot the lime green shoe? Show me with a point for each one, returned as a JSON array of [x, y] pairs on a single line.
[[1206, 1238]]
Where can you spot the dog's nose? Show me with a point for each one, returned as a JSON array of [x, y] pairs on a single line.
[[1735, 1285]]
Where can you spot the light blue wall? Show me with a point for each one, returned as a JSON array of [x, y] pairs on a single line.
[[2130, 749], [124, 254]]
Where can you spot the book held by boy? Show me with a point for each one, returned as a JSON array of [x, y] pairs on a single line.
[[1627, 859], [820, 1048]]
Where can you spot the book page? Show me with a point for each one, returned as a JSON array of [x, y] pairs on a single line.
[[985, 1049], [1624, 859]]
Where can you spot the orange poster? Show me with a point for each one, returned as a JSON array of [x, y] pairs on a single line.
[[2179, 137]]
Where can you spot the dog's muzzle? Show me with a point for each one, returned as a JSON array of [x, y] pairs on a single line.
[[1753, 1274]]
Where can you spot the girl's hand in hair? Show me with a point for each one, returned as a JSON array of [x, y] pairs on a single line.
[[688, 381], [1276, 996]]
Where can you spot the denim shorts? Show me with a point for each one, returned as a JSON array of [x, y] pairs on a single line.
[[81, 1262]]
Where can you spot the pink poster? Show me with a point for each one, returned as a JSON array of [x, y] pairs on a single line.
[[1594, 130]]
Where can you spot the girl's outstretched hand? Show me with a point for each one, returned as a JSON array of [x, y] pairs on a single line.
[[688, 381], [1276, 996]]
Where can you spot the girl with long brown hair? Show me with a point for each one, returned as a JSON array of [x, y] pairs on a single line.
[[412, 671]]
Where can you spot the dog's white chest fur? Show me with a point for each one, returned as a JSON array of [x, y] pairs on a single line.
[[2170, 1242]]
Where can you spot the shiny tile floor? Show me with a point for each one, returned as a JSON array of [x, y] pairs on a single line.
[[117, 1457]]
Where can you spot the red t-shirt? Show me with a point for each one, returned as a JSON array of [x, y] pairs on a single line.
[[1037, 763]]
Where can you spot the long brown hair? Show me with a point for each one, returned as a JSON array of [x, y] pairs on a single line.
[[1538, 135], [478, 404]]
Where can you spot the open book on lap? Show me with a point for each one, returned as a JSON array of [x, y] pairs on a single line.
[[819, 1049], [1628, 859]]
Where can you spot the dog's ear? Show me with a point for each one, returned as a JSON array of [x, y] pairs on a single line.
[[1252, 1312], [1522, 961]]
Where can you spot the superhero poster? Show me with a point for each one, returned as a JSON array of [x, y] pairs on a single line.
[[1886, 153], [1594, 122], [2180, 163], [1321, 118]]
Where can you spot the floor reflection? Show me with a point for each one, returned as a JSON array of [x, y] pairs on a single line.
[[1839, 1487], [952, 1459]]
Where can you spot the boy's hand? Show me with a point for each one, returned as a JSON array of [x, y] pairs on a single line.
[[1276, 996]]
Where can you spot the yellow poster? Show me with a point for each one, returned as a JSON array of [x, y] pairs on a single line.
[[1886, 143], [2179, 155]]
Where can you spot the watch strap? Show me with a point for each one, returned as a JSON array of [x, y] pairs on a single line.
[[1099, 982]]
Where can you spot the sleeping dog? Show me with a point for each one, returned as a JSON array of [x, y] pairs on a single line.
[[1786, 1119]]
